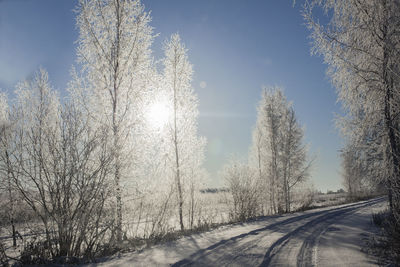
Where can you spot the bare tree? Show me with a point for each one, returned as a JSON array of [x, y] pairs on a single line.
[[278, 150], [114, 51], [6, 129], [295, 162], [186, 147], [59, 166], [361, 45], [244, 187], [362, 163]]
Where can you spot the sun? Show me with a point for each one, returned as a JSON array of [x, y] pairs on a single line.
[[158, 114]]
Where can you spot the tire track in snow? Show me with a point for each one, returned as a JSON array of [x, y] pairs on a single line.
[[309, 233], [232, 243], [307, 255]]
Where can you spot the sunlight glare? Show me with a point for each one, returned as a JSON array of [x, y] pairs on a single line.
[[158, 115]]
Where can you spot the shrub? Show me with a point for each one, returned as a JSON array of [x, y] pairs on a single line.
[[36, 252], [386, 245], [245, 190], [3, 256]]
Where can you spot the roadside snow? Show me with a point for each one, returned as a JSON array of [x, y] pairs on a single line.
[[171, 252], [244, 236], [342, 242]]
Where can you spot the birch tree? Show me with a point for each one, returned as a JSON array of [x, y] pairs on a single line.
[[257, 160], [59, 165], [114, 53], [361, 46], [278, 149], [267, 143], [296, 162], [187, 148], [354, 172], [362, 158], [6, 130]]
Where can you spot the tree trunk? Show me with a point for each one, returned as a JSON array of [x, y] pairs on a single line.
[[11, 201], [289, 199], [177, 170], [117, 145], [392, 150]]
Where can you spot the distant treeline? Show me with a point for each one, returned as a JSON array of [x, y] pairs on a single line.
[[214, 190]]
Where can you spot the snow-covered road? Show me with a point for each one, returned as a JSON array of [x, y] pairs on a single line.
[[331, 236]]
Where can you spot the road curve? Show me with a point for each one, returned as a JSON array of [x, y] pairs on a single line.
[[329, 237]]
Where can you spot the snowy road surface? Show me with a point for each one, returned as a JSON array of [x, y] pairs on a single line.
[[332, 236]]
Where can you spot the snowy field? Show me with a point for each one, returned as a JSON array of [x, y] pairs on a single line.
[[213, 209], [314, 237]]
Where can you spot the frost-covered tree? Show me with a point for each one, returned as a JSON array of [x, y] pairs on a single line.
[[59, 165], [6, 132], [361, 45], [294, 159], [277, 151], [359, 172], [362, 157], [263, 148], [115, 56], [266, 144], [4, 114], [185, 148], [244, 186]]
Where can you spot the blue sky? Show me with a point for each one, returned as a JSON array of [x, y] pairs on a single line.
[[236, 47]]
